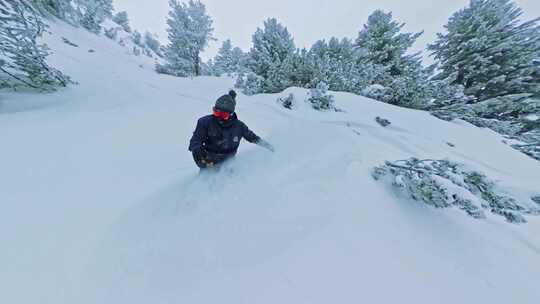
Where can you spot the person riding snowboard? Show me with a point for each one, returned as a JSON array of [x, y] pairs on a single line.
[[217, 137]]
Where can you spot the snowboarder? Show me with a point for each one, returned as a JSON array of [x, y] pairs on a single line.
[[217, 137]]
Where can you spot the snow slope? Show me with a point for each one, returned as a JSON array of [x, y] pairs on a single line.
[[100, 201]]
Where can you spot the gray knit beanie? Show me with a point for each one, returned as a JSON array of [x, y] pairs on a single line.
[[226, 103]]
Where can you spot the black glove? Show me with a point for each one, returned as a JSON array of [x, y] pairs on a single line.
[[200, 153], [263, 143]]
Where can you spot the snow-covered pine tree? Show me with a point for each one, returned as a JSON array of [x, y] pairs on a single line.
[[381, 42], [122, 19], [228, 59], [151, 42], [489, 51], [382, 47], [223, 60], [136, 36], [302, 68], [272, 55], [190, 30], [239, 58], [249, 83], [94, 12], [22, 58], [334, 63], [58, 8]]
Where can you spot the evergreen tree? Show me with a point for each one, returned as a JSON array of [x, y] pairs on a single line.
[[58, 8], [122, 19], [489, 51], [22, 58], [190, 30], [303, 69], [239, 59], [151, 42], [94, 12], [381, 42], [228, 59], [88, 13], [334, 63], [250, 83], [272, 56], [137, 38], [383, 49]]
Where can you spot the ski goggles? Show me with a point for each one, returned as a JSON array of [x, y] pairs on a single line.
[[222, 114]]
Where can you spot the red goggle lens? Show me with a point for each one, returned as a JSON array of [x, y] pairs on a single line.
[[222, 115]]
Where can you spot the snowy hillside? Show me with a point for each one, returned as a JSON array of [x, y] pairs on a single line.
[[100, 201]]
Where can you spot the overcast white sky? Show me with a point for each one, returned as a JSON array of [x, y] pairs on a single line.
[[307, 20]]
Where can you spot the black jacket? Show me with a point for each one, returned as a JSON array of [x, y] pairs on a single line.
[[220, 139]]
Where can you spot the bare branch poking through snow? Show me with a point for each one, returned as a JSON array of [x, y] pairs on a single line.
[[444, 184], [68, 42], [383, 122], [287, 102]]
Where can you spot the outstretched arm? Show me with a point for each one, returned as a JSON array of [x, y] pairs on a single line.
[[253, 138], [263, 143], [250, 135]]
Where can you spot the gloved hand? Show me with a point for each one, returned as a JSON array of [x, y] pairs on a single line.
[[200, 153], [208, 163], [263, 143]]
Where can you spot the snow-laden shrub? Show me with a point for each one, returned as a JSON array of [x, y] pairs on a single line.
[[137, 44], [319, 98], [375, 91], [137, 38], [249, 83], [287, 102], [122, 19], [444, 184], [152, 43]]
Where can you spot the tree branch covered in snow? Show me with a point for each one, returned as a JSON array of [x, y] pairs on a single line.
[[22, 57], [444, 184], [87, 13], [515, 116]]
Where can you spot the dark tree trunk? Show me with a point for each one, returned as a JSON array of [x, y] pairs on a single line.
[[197, 66]]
